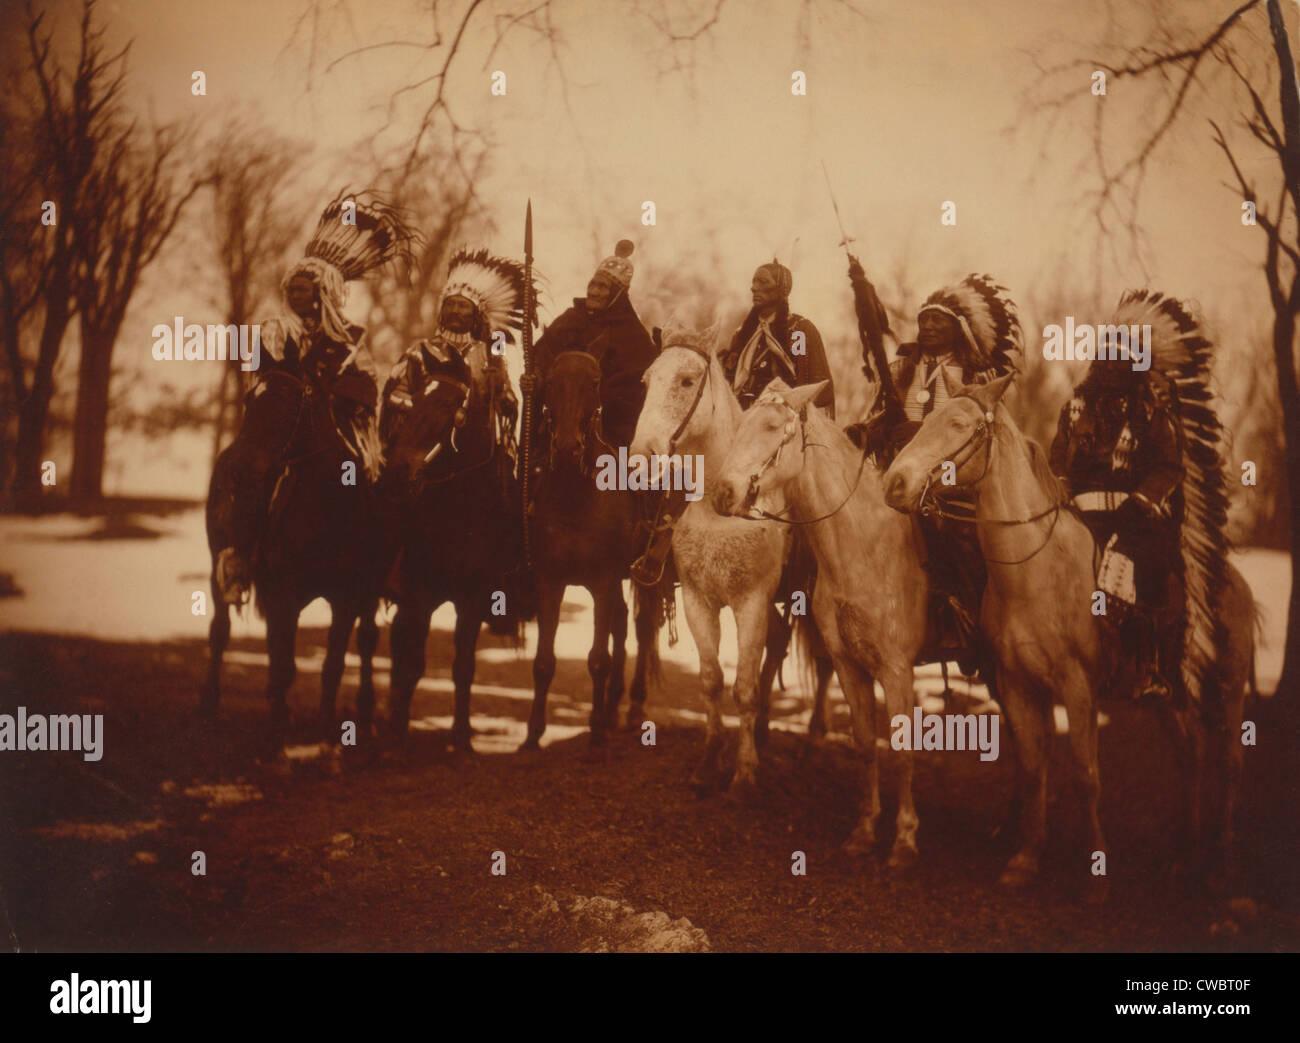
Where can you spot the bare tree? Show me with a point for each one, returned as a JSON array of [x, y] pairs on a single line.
[[132, 201], [72, 116], [1227, 52]]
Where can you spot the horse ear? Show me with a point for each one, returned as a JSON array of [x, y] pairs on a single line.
[[802, 395], [988, 395]]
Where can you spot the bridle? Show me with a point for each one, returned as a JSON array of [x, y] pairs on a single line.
[[982, 436], [699, 393], [797, 423], [592, 427]]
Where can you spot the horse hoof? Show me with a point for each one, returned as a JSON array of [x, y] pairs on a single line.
[[598, 738], [635, 718], [1018, 873], [532, 744], [902, 859], [704, 781]]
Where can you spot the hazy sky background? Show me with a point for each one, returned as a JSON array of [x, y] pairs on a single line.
[[914, 105]]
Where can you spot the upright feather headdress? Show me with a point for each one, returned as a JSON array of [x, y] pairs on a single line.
[[987, 317], [495, 286], [1182, 353]]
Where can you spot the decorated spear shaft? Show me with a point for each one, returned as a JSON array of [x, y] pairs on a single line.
[[530, 308]]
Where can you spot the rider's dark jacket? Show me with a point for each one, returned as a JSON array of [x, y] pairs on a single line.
[[775, 355]]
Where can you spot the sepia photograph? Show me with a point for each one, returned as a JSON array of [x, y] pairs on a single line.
[[650, 476]]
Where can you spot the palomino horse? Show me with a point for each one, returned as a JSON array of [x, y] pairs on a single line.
[[1037, 613], [586, 536], [691, 408], [321, 540], [461, 525], [792, 463]]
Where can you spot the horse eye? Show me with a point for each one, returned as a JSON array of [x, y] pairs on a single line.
[[687, 382]]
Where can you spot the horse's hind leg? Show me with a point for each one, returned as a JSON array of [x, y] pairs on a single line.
[[468, 622], [860, 691], [706, 628], [218, 639], [342, 618], [776, 645], [899, 700], [549, 597], [1081, 713], [367, 642]]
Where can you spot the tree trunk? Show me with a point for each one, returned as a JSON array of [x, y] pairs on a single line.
[[35, 409], [90, 427]]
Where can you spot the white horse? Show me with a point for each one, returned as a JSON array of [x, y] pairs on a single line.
[[691, 409]]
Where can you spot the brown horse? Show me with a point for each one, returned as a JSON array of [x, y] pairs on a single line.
[[321, 539], [585, 536], [1037, 614], [461, 536], [789, 461]]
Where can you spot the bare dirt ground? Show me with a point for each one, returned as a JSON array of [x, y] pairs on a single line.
[[603, 850]]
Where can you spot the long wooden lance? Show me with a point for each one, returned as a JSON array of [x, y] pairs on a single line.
[[530, 311], [863, 298]]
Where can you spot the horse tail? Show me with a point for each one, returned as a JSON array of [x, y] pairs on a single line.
[[808, 645]]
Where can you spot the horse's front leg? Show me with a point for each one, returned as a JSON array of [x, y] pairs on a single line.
[[751, 629], [367, 642], [860, 692], [599, 661], [706, 629], [1081, 713], [618, 653], [550, 595], [776, 646], [342, 617], [281, 633], [468, 622], [408, 636], [900, 698], [644, 610], [1031, 720]]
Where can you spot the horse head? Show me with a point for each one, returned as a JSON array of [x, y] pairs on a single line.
[[950, 451], [438, 409], [571, 405], [678, 408], [768, 451]]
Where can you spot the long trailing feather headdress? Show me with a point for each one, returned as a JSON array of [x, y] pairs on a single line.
[[1182, 353]]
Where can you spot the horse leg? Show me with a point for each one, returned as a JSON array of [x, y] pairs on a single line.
[[644, 623], [599, 659], [819, 721], [1181, 727], [1081, 714], [367, 642], [468, 623], [342, 618], [281, 633], [1020, 781], [550, 594], [900, 698], [218, 639], [706, 628], [1031, 720], [618, 654], [751, 620], [410, 632], [860, 692], [776, 645]]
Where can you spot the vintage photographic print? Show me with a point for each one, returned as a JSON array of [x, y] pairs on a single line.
[[649, 476]]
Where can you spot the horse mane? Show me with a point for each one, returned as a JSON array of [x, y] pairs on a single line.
[[1042, 469]]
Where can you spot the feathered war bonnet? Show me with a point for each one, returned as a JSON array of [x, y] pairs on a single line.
[[357, 233], [987, 317], [494, 285]]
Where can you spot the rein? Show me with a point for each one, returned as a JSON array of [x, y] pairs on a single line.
[[797, 422], [699, 394], [983, 436]]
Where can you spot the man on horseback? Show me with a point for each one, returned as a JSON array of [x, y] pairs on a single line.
[[775, 342], [1119, 452], [312, 356], [968, 333], [481, 301], [603, 324]]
